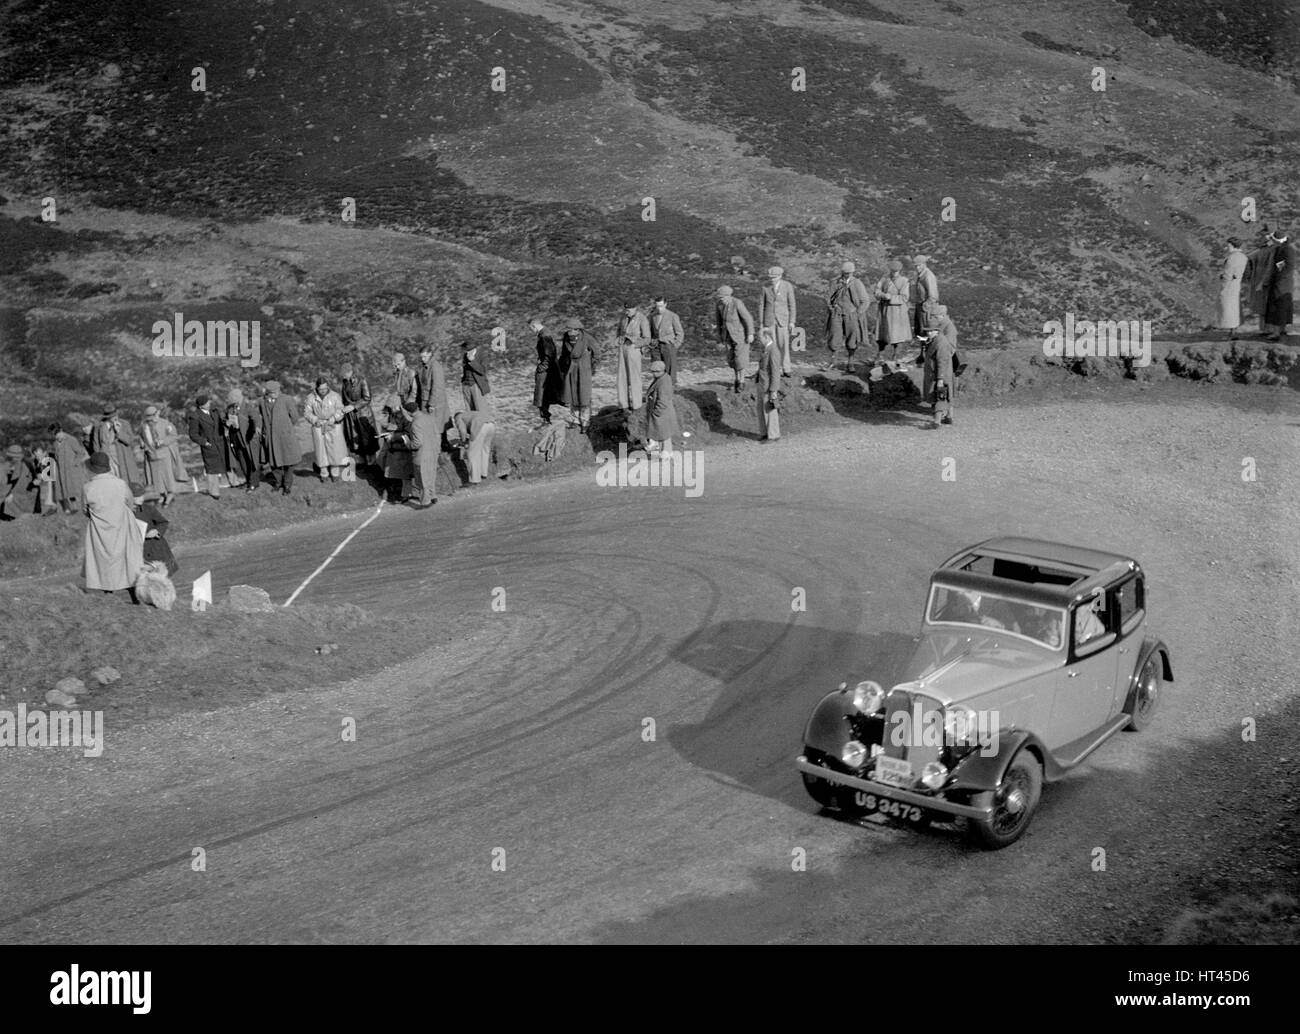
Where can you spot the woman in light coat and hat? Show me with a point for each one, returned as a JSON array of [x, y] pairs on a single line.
[[324, 411], [114, 541], [661, 414], [163, 467]]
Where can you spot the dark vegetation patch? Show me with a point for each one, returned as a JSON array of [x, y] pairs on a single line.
[[1262, 35]]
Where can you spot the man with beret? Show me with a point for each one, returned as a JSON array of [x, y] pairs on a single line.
[[281, 450], [205, 432], [939, 384], [576, 366], [847, 302], [927, 294], [735, 327], [114, 543], [777, 311], [630, 336], [113, 435], [666, 336], [474, 380], [661, 414], [892, 328], [548, 384], [163, 468]]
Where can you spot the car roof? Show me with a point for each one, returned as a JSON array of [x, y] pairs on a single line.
[[1094, 569]]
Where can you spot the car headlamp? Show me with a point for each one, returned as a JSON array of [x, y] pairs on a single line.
[[868, 697], [934, 775], [854, 754]]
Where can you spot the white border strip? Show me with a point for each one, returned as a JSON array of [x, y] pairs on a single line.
[[337, 550]]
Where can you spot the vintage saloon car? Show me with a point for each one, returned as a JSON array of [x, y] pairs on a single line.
[[1032, 655]]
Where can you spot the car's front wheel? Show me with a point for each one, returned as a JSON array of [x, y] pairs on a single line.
[[1146, 695], [819, 790], [1012, 804]]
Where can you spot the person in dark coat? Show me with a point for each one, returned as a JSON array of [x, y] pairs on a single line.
[[548, 385], [69, 470], [280, 448], [767, 388], [940, 384], [575, 364], [240, 463], [15, 483], [474, 379], [358, 414], [735, 328], [242, 437], [661, 414], [205, 432], [403, 379], [155, 542], [113, 435], [1279, 286]]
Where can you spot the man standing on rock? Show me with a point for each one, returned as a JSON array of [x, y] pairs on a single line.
[[113, 435], [666, 337], [205, 432], [777, 312], [892, 327], [927, 294], [279, 433], [846, 314], [735, 328], [661, 414], [631, 335], [548, 385], [939, 384], [474, 379], [767, 387], [403, 379], [576, 366]]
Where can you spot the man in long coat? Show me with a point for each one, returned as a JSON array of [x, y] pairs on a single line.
[[114, 543], [359, 415], [1228, 314], [939, 385], [424, 438], [777, 312], [243, 435], [630, 336], [661, 414], [892, 328], [163, 468], [576, 365], [548, 385], [735, 327], [205, 432], [926, 295], [113, 435], [666, 337], [281, 450], [767, 387], [1279, 286], [847, 303], [69, 469]]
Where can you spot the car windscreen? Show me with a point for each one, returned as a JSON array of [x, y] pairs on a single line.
[[1044, 625]]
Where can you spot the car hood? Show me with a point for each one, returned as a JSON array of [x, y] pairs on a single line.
[[957, 664]]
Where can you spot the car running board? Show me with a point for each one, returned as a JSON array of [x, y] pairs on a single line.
[[1061, 759]]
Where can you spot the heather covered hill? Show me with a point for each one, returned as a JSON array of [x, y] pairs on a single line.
[[476, 208]]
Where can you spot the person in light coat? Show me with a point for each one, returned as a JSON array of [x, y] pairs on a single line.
[[164, 470], [424, 439], [114, 542], [735, 327], [324, 412], [926, 294], [661, 414], [630, 336], [113, 435], [1228, 316], [892, 328], [474, 433]]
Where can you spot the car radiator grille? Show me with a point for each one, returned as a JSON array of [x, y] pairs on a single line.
[[903, 738]]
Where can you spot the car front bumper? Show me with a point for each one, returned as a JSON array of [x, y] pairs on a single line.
[[894, 793]]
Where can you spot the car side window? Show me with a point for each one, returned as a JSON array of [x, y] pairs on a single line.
[[1129, 601], [1094, 620]]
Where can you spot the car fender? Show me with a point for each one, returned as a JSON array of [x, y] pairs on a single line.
[[978, 772], [828, 728], [1149, 646]]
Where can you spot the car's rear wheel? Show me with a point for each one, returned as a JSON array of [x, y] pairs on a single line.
[[1146, 695], [1012, 804]]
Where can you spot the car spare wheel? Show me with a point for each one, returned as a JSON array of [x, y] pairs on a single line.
[[1012, 803], [1145, 697]]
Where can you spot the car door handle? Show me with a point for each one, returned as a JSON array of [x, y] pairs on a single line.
[[1071, 674]]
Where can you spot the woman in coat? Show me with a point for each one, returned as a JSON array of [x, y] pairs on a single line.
[[112, 435], [575, 364], [205, 432], [114, 543], [324, 411], [661, 414], [358, 415], [164, 470], [1228, 316]]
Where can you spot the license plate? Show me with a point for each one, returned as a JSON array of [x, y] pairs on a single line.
[[893, 771], [870, 802]]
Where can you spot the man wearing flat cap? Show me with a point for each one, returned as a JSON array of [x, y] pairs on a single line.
[[661, 414], [847, 304], [925, 295], [892, 328], [113, 435], [939, 384], [630, 336], [281, 450], [735, 328], [776, 312]]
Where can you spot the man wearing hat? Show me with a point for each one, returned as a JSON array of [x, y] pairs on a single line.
[[892, 328], [666, 336], [927, 293], [847, 303], [735, 328], [548, 385], [280, 447], [631, 335], [661, 414], [474, 380], [242, 430], [1279, 286], [576, 366], [205, 432], [15, 482], [69, 467], [113, 435], [164, 470], [776, 312], [939, 384], [114, 542]]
